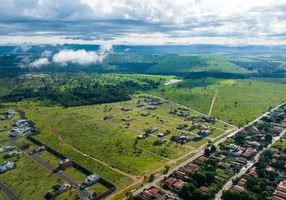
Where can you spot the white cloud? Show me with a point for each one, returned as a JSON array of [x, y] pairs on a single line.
[[82, 57], [46, 54], [40, 62], [258, 19]]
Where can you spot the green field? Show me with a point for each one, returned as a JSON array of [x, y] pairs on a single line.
[[198, 63], [237, 101]]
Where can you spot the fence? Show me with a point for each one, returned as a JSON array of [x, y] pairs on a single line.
[[111, 187]]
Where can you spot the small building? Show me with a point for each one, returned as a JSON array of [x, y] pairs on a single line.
[[38, 150], [237, 188], [108, 117], [6, 148], [151, 107], [189, 168], [205, 133], [91, 179], [180, 174], [15, 132], [202, 159], [183, 114], [152, 130], [12, 154], [6, 166], [57, 190], [21, 122], [242, 182], [204, 189], [64, 164], [223, 165], [127, 119], [126, 109], [178, 185]]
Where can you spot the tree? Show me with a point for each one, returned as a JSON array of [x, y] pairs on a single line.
[[268, 138], [151, 178], [207, 152], [213, 148], [256, 189]]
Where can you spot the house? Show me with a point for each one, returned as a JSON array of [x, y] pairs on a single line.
[[152, 130], [6, 166], [12, 154], [223, 165], [229, 171], [57, 190], [182, 126], [64, 164], [151, 107], [205, 133], [11, 112], [164, 133], [108, 117], [126, 109], [279, 195], [220, 158], [154, 191], [21, 122], [179, 174], [127, 119], [168, 183], [38, 150], [270, 169], [145, 114], [242, 182], [241, 160], [236, 165], [178, 184], [254, 144], [6, 148], [25, 76], [237, 188], [143, 136], [15, 132], [253, 172], [183, 114], [144, 196], [202, 159], [189, 168], [91, 179], [249, 152], [204, 189]]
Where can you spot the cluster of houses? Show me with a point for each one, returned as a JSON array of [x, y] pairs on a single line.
[[9, 115], [280, 191], [155, 193]]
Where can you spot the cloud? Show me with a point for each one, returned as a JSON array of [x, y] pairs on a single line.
[[82, 57], [90, 21], [40, 62], [46, 54]]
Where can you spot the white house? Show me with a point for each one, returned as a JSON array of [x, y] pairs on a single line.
[[6, 166]]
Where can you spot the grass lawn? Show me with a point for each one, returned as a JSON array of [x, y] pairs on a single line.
[[281, 144], [29, 180]]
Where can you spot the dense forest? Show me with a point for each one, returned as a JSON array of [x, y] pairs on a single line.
[[84, 94]]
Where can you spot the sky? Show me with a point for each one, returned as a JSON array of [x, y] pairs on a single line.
[[143, 22]]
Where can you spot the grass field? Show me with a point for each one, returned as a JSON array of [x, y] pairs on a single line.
[[198, 63], [237, 101], [29, 180]]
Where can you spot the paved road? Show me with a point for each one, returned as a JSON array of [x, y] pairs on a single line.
[[10, 195], [200, 152]]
